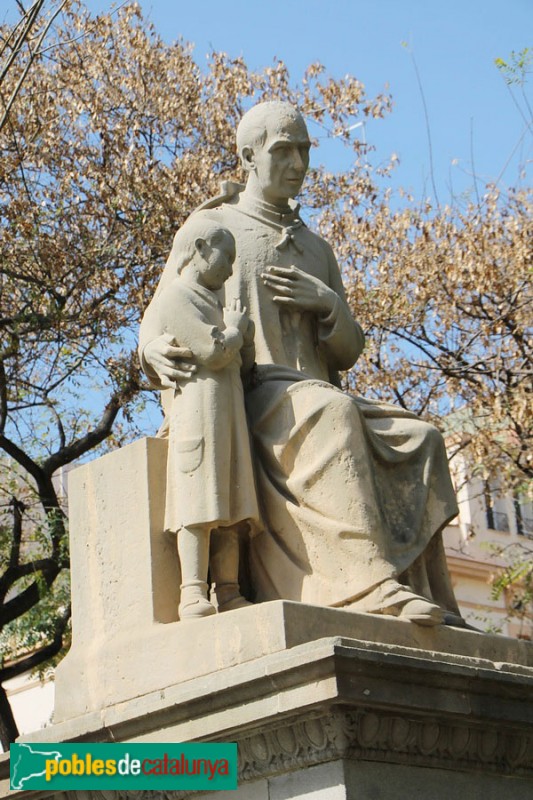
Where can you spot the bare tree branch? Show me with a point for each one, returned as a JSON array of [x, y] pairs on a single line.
[[33, 54], [26, 25]]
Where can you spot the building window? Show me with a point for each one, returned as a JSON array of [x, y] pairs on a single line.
[[496, 509], [524, 517]]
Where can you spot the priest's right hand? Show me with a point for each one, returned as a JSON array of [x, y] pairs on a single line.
[[169, 362]]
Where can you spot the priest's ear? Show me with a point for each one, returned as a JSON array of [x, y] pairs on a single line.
[[248, 158]]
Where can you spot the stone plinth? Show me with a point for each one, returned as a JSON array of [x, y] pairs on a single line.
[[125, 578], [324, 703], [342, 717]]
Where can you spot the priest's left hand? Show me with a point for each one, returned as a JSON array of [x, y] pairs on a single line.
[[294, 288]]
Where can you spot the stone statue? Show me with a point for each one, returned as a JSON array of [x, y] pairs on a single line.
[[209, 470], [353, 493]]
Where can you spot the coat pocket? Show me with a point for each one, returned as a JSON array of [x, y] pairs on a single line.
[[189, 453]]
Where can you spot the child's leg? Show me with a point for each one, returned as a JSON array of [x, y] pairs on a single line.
[[193, 551], [224, 566]]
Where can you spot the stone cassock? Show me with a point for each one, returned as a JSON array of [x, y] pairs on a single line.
[[353, 493]]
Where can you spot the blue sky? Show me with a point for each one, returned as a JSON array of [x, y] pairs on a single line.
[[472, 116], [454, 43]]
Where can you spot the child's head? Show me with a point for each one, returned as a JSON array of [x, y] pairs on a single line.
[[207, 249]]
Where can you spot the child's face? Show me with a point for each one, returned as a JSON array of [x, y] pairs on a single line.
[[218, 256]]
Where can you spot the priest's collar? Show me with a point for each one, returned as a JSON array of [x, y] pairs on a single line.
[[283, 216]]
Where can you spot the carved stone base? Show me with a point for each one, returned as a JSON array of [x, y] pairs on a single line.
[[343, 718], [324, 704], [127, 641]]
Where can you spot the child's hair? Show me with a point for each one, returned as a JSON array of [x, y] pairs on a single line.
[[196, 227]]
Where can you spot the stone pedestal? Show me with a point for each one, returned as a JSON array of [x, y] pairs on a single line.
[[324, 704], [343, 717]]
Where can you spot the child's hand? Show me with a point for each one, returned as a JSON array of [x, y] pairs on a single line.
[[235, 316]]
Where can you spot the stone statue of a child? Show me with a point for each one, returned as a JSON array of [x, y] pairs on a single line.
[[210, 484]]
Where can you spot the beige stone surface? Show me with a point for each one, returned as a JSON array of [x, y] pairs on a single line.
[[127, 642], [209, 474], [353, 493], [210, 479], [322, 782], [401, 782], [341, 714], [344, 780], [259, 790], [300, 676], [322, 702]]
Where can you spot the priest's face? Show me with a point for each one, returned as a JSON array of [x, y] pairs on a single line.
[[280, 163]]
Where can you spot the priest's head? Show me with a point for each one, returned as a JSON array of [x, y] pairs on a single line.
[[273, 144]]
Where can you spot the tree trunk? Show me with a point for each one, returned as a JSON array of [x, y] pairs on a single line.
[[8, 726]]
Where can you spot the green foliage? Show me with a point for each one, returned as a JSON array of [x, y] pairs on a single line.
[[36, 628], [516, 577], [516, 69]]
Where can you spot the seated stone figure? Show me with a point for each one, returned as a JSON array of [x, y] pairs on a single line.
[[353, 493]]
